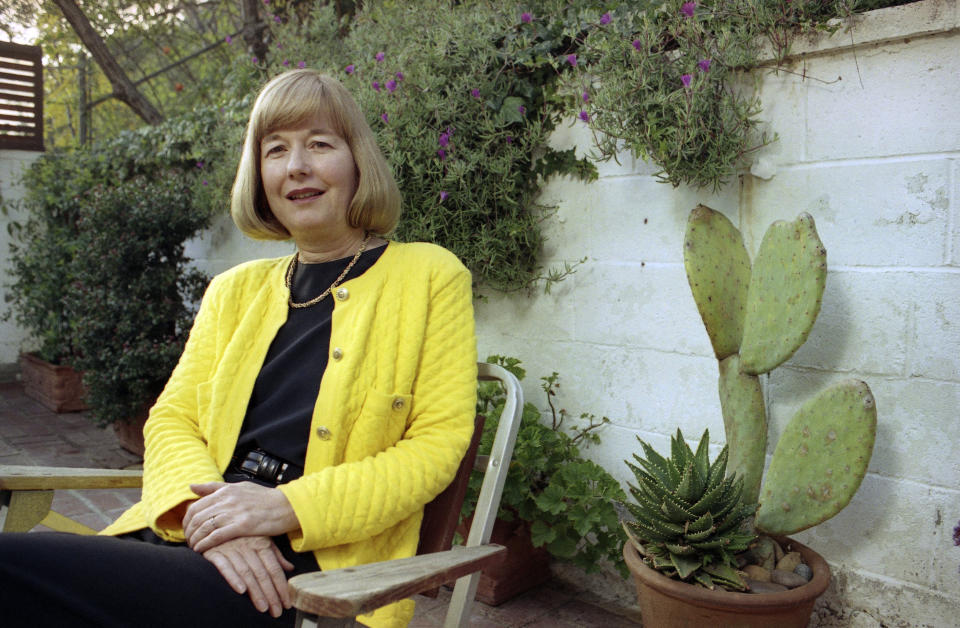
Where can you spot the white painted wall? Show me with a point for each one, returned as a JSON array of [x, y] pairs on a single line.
[[875, 158], [12, 337]]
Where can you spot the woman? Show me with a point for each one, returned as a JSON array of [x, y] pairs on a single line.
[[321, 400]]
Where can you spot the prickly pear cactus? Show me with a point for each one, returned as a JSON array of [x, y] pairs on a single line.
[[786, 288], [745, 424], [820, 460], [718, 269]]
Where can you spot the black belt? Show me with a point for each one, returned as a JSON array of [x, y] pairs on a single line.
[[258, 464]]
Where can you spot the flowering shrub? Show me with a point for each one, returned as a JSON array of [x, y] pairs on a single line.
[[667, 80], [462, 99]]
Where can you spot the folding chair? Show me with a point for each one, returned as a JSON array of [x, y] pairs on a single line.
[[334, 598]]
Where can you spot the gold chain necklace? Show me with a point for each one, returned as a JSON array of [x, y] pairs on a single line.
[[293, 267]]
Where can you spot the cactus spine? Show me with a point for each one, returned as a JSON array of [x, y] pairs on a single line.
[[756, 318]]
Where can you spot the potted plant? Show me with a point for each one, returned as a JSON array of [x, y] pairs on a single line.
[[131, 298], [756, 316], [555, 502], [41, 254]]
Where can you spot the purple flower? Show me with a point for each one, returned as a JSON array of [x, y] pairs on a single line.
[[526, 18], [636, 44], [205, 182], [444, 139], [266, 1], [442, 154], [391, 85], [703, 64], [279, 46], [199, 164], [509, 139], [400, 76], [376, 86], [605, 18], [443, 195], [384, 117], [956, 534], [522, 109], [379, 57], [686, 79], [585, 96], [687, 8], [572, 60], [228, 39], [584, 116], [286, 62], [302, 64], [475, 92], [349, 69], [255, 60], [276, 18]]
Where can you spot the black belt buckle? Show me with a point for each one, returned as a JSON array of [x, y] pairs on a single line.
[[262, 465]]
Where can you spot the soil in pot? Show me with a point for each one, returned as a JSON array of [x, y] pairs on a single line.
[[668, 603]]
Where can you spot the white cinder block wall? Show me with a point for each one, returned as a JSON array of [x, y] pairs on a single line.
[[875, 158], [12, 337], [869, 144]]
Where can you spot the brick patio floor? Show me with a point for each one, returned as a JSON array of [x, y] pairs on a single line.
[[32, 435]]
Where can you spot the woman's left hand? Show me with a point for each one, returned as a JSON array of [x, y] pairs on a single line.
[[227, 511]]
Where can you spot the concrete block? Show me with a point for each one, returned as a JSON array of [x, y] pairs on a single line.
[[909, 411], [574, 133], [896, 99], [888, 528], [892, 213], [954, 258], [223, 246], [864, 323], [541, 317], [629, 219], [644, 389], [934, 347], [648, 306], [782, 94]]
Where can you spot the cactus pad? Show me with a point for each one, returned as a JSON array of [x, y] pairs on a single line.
[[820, 460], [718, 270], [786, 288], [745, 423]]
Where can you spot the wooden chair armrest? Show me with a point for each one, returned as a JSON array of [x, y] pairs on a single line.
[[356, 590], [26, 478]]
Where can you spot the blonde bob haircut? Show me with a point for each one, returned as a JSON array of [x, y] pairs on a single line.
[[286, 101]]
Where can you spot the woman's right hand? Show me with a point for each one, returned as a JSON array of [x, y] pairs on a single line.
[[255, 566]]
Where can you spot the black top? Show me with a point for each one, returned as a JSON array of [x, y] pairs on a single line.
[[281, 406]]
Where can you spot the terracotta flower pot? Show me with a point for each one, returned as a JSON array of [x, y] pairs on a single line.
[[130, 433], [523, 567], [57, 387], [669, 603]]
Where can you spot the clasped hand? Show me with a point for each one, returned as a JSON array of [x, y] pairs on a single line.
[[231, 525]]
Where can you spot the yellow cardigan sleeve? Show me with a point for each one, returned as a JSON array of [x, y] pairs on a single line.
[[176, 453], [356, 500]]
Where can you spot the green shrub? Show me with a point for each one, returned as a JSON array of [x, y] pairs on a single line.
[[567, 499]]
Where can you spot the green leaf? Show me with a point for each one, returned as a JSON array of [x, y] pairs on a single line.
[[541, 533]]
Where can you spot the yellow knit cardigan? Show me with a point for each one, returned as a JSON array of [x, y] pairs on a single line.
[[393, 417]]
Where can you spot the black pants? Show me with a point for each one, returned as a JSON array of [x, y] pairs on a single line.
[[65, 580]]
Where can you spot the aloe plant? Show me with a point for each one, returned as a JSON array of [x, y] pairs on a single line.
[[688, 516]]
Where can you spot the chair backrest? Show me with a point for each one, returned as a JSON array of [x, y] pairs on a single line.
[[495, 467]]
